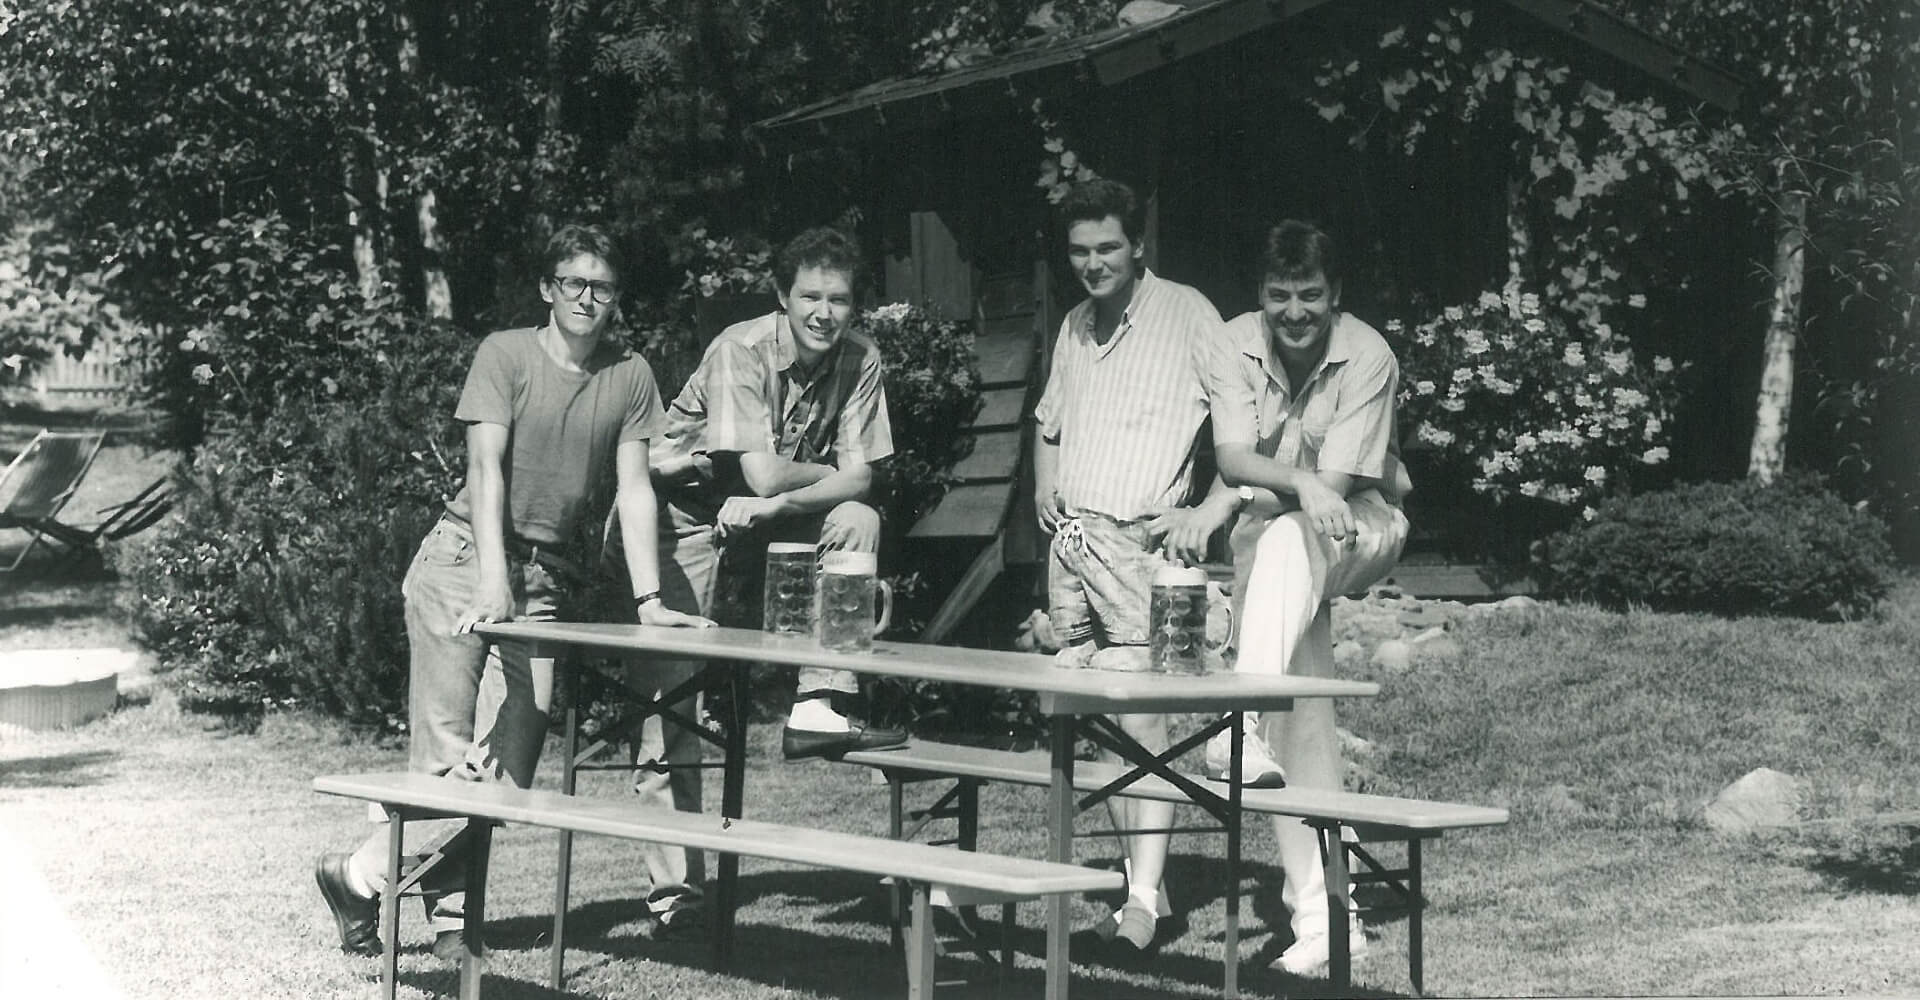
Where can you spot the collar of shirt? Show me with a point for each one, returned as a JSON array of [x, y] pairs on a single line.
[[786, 356], [1339, 351], [1143, 288]]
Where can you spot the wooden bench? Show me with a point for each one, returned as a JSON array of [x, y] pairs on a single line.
[[411, 796], [1370, 819]]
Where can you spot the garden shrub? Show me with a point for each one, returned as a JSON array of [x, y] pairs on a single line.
[[278, 585], [1790, 548]]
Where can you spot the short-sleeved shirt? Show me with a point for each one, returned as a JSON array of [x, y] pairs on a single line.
[[1342, 421], [1125, 413], [752, 394], [562, 430]]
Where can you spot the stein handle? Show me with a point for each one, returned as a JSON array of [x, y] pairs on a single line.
[[886, 606]]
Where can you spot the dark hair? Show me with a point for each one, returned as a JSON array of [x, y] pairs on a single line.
[[1094, 200], [823, 247], [574, 239], [1298, 250]]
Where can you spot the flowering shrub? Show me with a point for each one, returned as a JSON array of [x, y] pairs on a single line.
[[1528, 407], [50, 301], [933, 393]]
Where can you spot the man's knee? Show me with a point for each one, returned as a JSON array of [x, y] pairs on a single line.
[[860, 522]]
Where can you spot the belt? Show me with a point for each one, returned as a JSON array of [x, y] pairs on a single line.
[[546, 557]]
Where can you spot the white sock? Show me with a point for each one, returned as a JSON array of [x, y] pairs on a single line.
[[816, 715], [1158, 903], [1149, 899], [360, 882]]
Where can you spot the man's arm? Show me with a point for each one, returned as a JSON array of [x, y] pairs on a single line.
[[639, 538], [1188, 530], [767, 474], [1322, 494], [492, 598], [813, 495], [1046, 473]]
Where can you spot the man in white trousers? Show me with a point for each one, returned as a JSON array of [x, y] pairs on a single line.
[[1306, 431]]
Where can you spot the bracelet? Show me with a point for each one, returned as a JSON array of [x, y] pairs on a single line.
[[646, 598]]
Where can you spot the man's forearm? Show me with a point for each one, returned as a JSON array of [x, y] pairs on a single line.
[[769, 475], [1245, 467], [1046, 463], [487, 493], [831, 490], [639, 538]]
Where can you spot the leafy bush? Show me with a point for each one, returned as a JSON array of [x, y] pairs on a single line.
[[279, 583], [1791, 548], [1527, 407], [933, 394]]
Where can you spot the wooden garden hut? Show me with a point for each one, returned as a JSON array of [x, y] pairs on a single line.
[[1202, 111]]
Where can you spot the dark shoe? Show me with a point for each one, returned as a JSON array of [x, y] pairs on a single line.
[[678, 914], [797, 744], [357, 916]]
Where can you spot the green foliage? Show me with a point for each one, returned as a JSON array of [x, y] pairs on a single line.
[[1835, 114], [50, 302], [1524, 407], [279, 583], [933, 394], [1791, 548]]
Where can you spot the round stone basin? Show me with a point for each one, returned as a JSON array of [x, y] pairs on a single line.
[[60, 688]]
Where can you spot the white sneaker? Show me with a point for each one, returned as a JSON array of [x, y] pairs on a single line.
[[1258, 769], [1308, 956]]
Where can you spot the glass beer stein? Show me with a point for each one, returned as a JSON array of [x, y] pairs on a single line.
[[1177, 618], [787, 601], [849, 588]]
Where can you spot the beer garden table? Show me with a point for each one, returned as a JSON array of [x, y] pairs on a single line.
[[1076, 702]]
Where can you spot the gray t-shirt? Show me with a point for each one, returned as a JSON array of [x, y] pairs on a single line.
[[562, 429]]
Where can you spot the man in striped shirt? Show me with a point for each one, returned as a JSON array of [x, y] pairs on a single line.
[[1125, 398]]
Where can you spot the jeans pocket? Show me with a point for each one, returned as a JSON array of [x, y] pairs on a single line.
[[447, 545]]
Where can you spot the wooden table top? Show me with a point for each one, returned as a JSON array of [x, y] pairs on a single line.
[[1061, 691]]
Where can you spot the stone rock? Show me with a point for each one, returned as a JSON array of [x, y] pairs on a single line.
[[1393, 654], [1386, 590], [1558, 802], [1145, 11], [1444, 649], [1761, 798], [1518, 602], [1348, 653], [1435, 632]]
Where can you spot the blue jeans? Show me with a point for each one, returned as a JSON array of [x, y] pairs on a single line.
[[476, 710]]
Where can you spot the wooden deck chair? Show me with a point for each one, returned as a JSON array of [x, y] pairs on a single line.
[[38, 484]]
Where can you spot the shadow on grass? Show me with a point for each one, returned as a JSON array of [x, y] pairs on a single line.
[[792, 956], [54, 614], [1891, 869], [68, 770]]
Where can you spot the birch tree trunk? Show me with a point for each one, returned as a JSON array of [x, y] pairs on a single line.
[[1768, 457], [1519, 239], [435, 287]]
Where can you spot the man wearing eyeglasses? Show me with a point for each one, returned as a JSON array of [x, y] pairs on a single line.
[[556, 416]]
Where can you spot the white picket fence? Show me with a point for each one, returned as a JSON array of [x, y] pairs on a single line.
[[99, 375]]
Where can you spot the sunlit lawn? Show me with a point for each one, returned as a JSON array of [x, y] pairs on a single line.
[[184, 850]]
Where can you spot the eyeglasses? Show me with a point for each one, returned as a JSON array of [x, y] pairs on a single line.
[[573, 287]]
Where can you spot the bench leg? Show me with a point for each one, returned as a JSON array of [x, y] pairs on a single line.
[[896, 827], [1416, 907], [390, 907], [920, 950], [733, 785], [473, 963], [1231, 986]]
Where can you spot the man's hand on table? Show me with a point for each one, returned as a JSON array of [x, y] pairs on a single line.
[[492, 602], [656, 613]]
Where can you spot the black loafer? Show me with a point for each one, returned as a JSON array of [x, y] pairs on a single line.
[[357, 916], [798, 744]]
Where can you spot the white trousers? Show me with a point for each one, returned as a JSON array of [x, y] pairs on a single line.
[[1285, 572]]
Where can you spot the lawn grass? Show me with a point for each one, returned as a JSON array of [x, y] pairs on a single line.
[[184, 849]]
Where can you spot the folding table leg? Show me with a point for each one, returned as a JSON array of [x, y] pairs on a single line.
[[562, 883], [1060, 844], [473, 963], [390, 906], [1416, 908], [732, 800], [896, 825], [1231, 986], [1339, 959]]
